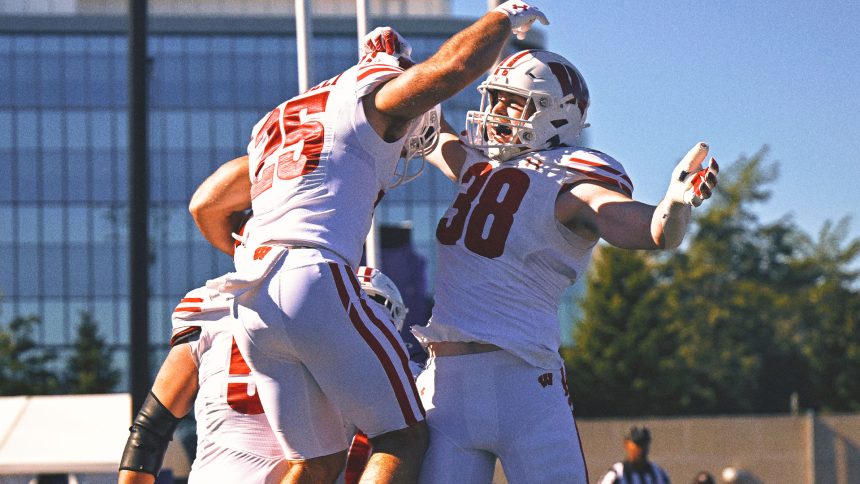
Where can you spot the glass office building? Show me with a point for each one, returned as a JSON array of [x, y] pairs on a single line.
[[63, 145]]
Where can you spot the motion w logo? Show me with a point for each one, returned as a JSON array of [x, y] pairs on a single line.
[[568, 79], [260, 252], [545, 379]]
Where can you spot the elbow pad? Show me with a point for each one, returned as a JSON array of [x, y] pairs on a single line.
[[673, 219], [150, 434]]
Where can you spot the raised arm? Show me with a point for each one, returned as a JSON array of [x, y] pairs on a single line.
[[461, 59], [171, 397], [604, 211], [218, 204], [450, 153], [689, 187]]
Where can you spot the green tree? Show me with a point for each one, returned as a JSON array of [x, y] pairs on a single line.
[[716, 327], [619, 347], [830, 326], [90, 367], [731, 289], [25, 367]]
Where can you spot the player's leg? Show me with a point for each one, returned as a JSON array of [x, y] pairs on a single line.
[[305, 422], [361, 363], [539, 441], [316, 470], [454, 390], [308, 427], [397, 455]]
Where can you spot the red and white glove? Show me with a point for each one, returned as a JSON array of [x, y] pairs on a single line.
[[691, 183], [522, 16], [384, 39]]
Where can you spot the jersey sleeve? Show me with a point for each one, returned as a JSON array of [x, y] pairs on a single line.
[[193, 311], [592, 165], [373, 70]]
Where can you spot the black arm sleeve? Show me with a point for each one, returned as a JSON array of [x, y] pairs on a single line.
[[150, 433]]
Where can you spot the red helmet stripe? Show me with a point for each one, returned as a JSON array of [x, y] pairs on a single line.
[[510, 61], [562, 73]]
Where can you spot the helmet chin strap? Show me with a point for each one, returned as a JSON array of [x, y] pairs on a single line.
[[500, 152]]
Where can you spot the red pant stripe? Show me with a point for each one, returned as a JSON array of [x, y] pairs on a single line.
[[388, 330], [374, 344]]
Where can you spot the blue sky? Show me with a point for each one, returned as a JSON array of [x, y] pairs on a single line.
[[737, 74]]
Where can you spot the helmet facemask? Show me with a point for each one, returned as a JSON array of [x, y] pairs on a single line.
[[420, 141], [556, 102]]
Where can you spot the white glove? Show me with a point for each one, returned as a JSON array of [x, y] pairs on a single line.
[[691, 184], [522, 16], [384, 39]]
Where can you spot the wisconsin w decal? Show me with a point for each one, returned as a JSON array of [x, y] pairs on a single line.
[[545, 379], [568, 79]]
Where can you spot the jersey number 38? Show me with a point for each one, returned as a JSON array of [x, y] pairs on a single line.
[[484, 226]]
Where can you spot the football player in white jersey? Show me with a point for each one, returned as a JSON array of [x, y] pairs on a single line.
[[531, 206], [316, 166], [204, 367], [234, 440]]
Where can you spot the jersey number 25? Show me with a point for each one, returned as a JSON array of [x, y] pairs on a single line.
[[298, 148]]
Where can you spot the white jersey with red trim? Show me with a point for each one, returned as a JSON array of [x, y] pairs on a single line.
[[234, 440], [317, 166], [504, 261], [199, 306]]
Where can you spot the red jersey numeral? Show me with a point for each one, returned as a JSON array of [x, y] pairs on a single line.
[[242, 397], [449, 230], [501, 194], [301, 139]]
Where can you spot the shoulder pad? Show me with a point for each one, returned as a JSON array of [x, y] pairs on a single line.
[[199, 306], [584, 164], [374, 69]]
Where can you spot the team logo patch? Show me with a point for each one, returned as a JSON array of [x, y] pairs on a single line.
[[545, 380], [260, 252]]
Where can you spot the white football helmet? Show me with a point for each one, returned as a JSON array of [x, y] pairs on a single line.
[[383, 290], [556, 104], [420, 141]]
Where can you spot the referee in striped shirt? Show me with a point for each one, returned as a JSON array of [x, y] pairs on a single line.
[[636, 468]]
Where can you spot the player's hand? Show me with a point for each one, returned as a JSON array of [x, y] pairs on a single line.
[[384, 39], [691, 183], [522, 16]]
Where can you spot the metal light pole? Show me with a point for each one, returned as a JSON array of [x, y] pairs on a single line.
[[304, 34], [138, 205], [362, 11], [372, 256]]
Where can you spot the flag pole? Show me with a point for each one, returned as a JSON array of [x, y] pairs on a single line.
[[304, 34], [372, 254]]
